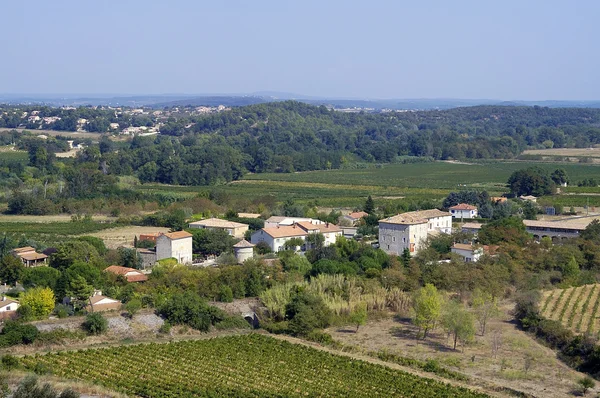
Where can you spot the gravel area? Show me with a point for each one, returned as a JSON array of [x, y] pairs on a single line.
[[151, 321]]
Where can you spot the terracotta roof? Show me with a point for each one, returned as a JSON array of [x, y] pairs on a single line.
[[248, 215], [308, 226], [25, 249], [358, 214], [463, 246], [284, 231], [218, 223], [463, 206], [118, 270], [553, 224], [415, 217], [32, 256], [243, 243], [7, 301], [177, 235], [472, 225], [99, 297]]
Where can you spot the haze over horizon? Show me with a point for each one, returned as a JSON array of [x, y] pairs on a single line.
[[382, 49]]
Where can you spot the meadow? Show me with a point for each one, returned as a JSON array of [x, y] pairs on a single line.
[[236, 366]]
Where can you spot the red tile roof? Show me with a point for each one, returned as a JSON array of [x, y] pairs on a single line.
[[178, 235], [463, 206], [136, 275]]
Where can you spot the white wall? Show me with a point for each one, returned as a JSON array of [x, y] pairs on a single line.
[[464, 213], [394, 238], [181, 249]]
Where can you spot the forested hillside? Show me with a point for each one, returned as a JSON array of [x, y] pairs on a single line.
[[290, 136]]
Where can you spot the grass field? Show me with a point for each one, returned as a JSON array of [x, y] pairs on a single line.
[[575, 307], [567, 152], [236, 366], [54, 133], [9, 154]]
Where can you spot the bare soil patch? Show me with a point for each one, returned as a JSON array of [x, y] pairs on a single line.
[[123, 236], [547, 376]]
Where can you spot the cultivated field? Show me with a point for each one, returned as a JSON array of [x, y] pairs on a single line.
[[54, 133], [236, 366], [123, 236], [565, 152], [575, 307]]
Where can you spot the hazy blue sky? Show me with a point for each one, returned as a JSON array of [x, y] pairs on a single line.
[[522, 49]]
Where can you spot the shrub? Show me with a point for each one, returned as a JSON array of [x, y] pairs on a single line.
[[225, 294], [586, 383], [95, 323], [165, 328], [18, 333], [133, 307], [10, 362], [233, 322], [320, 337]]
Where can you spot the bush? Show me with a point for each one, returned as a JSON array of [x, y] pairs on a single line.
[[320, 337], [18, 333], [233, 322], [165, 328], [275, 327], [225, 294], [586, 383], [29, 388], [63, 311], [10, 362], [95, 324], [133, 307]]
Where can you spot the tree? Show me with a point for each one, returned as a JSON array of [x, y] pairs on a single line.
[[80, 291], [95, 323], [571, 269], [211, 241], [586, 383], [559, 176], [529, 210], [11, 269], [133, 306], [74, 251], [306, 312], [40, 300], [359, 315], [41, 277], [458, 322], [130, 258], [485, 306], [405, 257], [369, 206], [427, 305], [531, 181]]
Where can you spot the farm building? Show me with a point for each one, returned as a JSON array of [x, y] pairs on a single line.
[[148, 257], [30, 257], [8, 308], [98, 303], [279, 221], [355, 216], [130, 274], [148, 237], [463, 210], [554, 229], [177, 245], [235, 229], [243, 250], [468, 252], [410, 230], [471, 227], [276, 237]]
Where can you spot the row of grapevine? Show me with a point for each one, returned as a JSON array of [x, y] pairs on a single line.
[[575, 307], [237, 366]]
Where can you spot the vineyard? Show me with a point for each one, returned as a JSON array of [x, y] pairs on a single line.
[[236, 366], [575, 307]]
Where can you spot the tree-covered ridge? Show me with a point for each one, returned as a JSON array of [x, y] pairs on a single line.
[[289, 136]]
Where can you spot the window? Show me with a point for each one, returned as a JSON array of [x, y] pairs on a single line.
[[393, 239], [388, 247], [8, 308], [403, 240]]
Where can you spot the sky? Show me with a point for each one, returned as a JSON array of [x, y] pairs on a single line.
[[507, 50]]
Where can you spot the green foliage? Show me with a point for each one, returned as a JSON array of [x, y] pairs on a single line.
[[358, 317], [9, 362], [458, 322], [306, 312], [225, 294], [245, 359], [40, 300], [11, 269], [30, 388], [95, 323], [531, 181], [369, 206], [586, 383], [96, 242], [41, 277], [427, 306], [74, 251], [189, 309], [133, 306], [15, 333], [485, 307], [211, 241], [506, 230]]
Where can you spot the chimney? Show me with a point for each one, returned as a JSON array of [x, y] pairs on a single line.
[[3, 298]]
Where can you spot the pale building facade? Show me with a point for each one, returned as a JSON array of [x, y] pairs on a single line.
[[177, 245]]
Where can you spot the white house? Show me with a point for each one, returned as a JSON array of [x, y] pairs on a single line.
[[8, 308], [175, 244], [463, 210], [235, 229], [410, 230], [469, 252], [275, 221], [276, 237]]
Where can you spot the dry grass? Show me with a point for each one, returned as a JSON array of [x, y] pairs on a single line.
[[579, 297], [577, 152], [48, 219], [123, 236], [55, 133], [547, 377]]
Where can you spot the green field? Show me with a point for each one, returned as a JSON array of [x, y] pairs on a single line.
[[7, 154], [236, 366]]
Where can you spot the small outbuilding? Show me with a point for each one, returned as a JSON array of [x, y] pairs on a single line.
[[243, 250]]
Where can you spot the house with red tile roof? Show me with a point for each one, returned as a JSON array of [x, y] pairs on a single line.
[[463, 210], [177, 245], [130, 274]]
